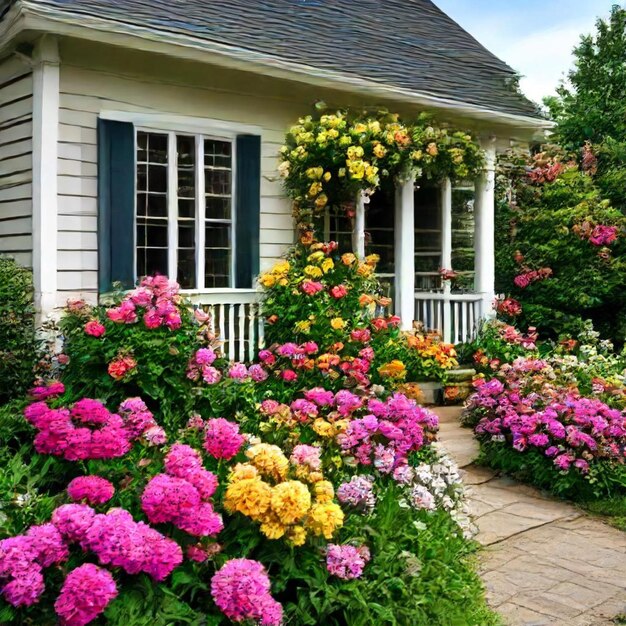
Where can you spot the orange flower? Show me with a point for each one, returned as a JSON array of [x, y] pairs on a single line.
[[365, 300], [272, 319], [348, 258], [384, 301], [393, 369], [307, 238]]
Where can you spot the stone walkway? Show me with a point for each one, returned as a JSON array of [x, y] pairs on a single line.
[[544, 561]]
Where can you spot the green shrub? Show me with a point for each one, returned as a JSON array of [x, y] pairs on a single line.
[[18, 349]]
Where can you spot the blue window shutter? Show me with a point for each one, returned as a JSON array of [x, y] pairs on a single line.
[[248, 200], [116, 204]]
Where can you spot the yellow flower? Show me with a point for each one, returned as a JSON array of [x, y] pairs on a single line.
[[374, 126], [315, 477], [313, 271], [355, 153], [356, 169], [314, 189], [344, 141], [327, 176], [316, 257], [393, 369], [250, 496], [337, 323], [321, 201], [341, 172], [371, 174], [315, 173], [365, 300], [324, 491], [282, 267], [417, 155], [267, 280], [327, 265], [325, 519], [372, 259], [333, 133], [296, 536], [269, 460], [359, 128], [291, 501], [303, 327], [283, 282], [243, 471], [348, 258], [341, 425], [364, 270], [379, 150], [272, 529], [322, 137], [324, 428]]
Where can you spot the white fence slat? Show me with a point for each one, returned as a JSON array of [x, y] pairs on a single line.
[[242, 332], [231, 333]]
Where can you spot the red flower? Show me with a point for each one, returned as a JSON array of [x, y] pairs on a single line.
[[379, 323], [121, 366], [339, 291]]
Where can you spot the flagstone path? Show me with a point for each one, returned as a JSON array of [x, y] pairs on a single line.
[[544, 561]]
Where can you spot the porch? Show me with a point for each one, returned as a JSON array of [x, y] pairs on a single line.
[[417, 229]]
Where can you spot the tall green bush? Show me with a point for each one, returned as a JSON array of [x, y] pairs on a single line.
[[17, 329]]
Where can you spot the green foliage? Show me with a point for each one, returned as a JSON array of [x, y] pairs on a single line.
[[591, 107], [542, 226], [18, 348]]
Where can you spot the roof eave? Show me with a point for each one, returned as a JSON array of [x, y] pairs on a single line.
[[27, 16]]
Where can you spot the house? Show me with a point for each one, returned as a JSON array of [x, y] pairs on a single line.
[[139, 136]]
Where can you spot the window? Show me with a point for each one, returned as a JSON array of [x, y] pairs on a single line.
[[185, 216]]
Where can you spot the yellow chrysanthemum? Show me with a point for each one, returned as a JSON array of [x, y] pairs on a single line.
[[348, 258], [273, 529], [327, 265], [291, 501], [324, 428], [325, 519], [251, 497], [324, 491], [296, 536], [242, 471], [337, 323], [313, 271], [269, 460]]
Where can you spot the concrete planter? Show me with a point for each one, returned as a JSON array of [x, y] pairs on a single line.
[[431, 391]]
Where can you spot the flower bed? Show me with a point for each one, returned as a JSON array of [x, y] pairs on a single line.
[[194, 490], [532, 420]]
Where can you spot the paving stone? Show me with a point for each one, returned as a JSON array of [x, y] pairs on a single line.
[[544, 561]]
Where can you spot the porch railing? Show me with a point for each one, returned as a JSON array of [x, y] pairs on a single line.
[[454, 315], [235, 320]]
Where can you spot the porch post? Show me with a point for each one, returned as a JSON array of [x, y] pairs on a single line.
[[405, 251], [484, 228], [446, 255], [45, 150], [358, 234]]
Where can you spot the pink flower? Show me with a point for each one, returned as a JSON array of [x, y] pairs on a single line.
[[307, 455], [201, 316], [86, 592], [155, 436], [310, 347], [361, 334], [257, 373], [54, 388], [152, 319], [123, 314], [95, 328], [603, 235], [91, 489], [241, 590], [339, 291], [211, 375], [320, 396], [73, 521], [289, 376], [238, 372], [205, 356], [310, 287], [267, 357], [222, 439], [346, 562]]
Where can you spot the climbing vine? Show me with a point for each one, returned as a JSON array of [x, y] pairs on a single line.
[[331, 156]]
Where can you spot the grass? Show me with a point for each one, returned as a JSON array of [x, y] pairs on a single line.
[[612, 510]]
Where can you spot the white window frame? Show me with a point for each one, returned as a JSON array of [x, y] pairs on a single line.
[[200, 204], [164, 123]]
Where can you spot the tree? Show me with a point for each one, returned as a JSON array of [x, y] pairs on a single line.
[[591, 106]]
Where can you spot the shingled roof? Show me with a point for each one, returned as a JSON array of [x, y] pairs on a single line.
[[402, 44]]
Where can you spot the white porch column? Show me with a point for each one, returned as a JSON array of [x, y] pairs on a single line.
[[405, 251], [358, 234], [45, 151], [484, 228], [446, 255]]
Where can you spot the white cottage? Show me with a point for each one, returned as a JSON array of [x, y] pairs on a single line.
[[142, 136]]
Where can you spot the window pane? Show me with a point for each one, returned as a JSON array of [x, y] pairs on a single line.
[[157, 148], [152, 222], [218, 153], [340, 229], [218, 208], [186, 268], [427, 238], [217, 255], [186, 208], [186, 147], [379, 228], [218, 182], [186, 234]]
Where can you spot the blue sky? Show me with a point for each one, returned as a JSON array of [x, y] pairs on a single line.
[[535, 37]]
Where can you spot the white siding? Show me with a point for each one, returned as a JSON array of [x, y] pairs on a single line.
[[91, 83], [16, 162]]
